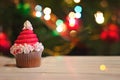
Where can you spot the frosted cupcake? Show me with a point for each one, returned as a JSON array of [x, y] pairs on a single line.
[[26, 49]]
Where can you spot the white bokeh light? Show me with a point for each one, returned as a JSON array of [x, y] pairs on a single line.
[[38, 8], [38, 14], [71, 22], [78, 15], [61, 28], [47, 17], [47, 10]]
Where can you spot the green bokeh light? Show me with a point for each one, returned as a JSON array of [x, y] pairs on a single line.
[[55, 33], [59, 21]]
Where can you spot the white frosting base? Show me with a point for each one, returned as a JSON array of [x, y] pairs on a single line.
[[26, 48]]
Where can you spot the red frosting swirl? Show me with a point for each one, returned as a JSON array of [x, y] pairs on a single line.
[[27, 36]]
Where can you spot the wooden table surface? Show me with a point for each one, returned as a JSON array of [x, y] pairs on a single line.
[[64, 68]]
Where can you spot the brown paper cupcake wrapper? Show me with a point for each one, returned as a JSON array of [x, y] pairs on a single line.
[[30, 60]]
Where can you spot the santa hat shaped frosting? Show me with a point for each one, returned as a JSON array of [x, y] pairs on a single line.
[[27, 41], [27, 35]]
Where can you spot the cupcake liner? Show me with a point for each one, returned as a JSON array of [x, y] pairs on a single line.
[[30, 60]]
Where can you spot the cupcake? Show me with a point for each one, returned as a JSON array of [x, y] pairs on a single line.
[[27, 49]]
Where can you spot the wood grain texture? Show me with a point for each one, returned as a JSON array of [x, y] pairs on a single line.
[[63, 67]]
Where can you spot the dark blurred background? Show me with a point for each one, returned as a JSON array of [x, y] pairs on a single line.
[[65, 27]]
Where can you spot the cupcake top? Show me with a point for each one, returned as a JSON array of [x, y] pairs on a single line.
[[27, 41]]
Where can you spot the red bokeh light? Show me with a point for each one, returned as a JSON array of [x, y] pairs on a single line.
[[4, 43], [111, 34], [76, 25]]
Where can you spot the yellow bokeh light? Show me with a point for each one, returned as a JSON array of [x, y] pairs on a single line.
[[76, 1], [69, 1], [102, 67], [99, 17], [73, 33], [71, 15]]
